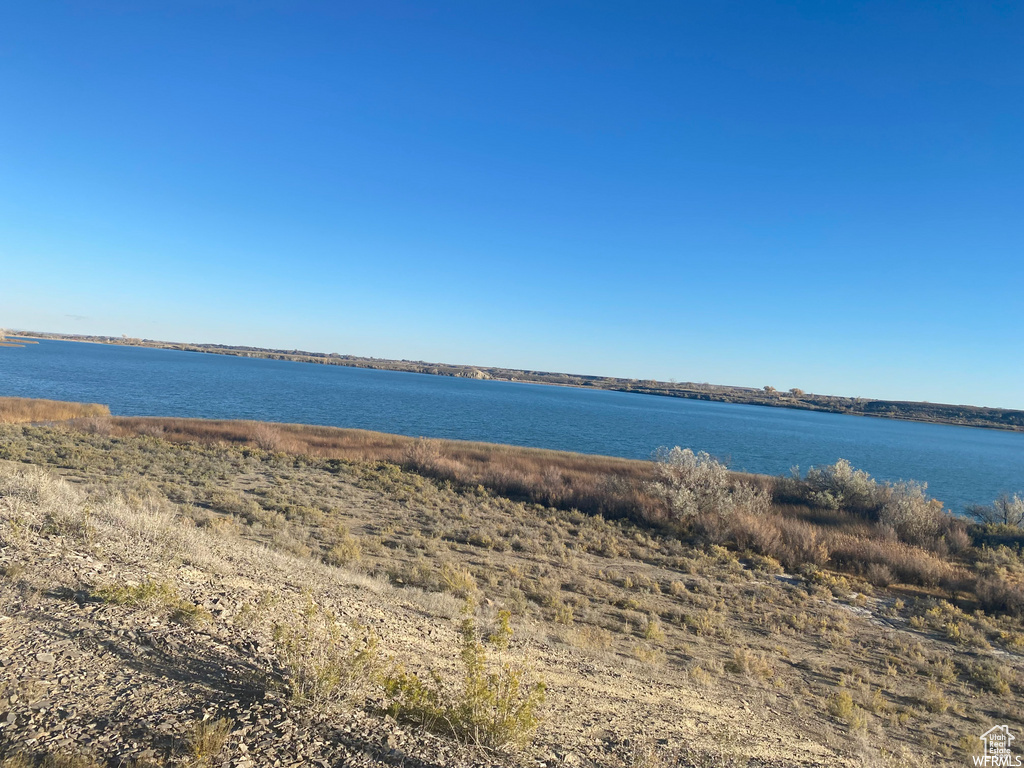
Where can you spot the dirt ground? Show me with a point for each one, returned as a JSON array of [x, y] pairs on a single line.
[[140, 596]]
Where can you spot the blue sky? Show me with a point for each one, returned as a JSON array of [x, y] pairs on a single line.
[[817, 195]]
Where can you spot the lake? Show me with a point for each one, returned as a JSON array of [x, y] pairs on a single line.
[[961, 465]]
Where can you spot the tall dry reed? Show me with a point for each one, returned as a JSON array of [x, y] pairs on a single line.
[[21, 410]]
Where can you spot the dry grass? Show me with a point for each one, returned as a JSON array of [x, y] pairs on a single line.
[[669, 606], [793, 534], [22, 410], [602, 485], [844, 534]]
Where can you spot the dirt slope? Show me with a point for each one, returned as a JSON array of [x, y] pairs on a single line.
[[140, 597]]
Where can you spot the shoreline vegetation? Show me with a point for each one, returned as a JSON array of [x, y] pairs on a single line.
[[5, 342], [936, 413], [440, 597], [834, 517], [27, 410]]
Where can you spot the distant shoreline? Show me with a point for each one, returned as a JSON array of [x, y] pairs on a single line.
[[933, 413]]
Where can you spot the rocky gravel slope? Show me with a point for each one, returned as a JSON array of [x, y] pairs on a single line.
[[140, 625]]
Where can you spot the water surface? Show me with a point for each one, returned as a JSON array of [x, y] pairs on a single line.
[[961, 465]]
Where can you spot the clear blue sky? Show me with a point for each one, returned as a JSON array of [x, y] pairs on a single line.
[[818, 195]]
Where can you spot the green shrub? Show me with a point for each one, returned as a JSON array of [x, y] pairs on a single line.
[[497, 704], [653, 630], [345, 550], [148, 594], [935, 701], [459, 581], [502, 634], [563, 613], [207, 740], [190, 614], [414, 700], [159, 597], [988, 675], [748, 663], [841, 706]]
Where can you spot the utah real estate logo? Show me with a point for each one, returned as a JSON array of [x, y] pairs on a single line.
[[998, 749]]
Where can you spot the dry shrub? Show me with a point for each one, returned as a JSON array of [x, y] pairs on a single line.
[[345, 550], [266, 437], [903, 507], [841, 705], [149, 430], [839, 486], [94, 425], [757, 533], [750, 664], [207, 740], [647, 755], [58, 759], [847, 542], [878, 574], [324, 662], [694, 485], [792, 542], [801, 543], [886, 533], [34, 502], [700, 493], [427, 457], [956, 537], [1007, 510], [998, 595], [592, 638], [458, 580], [905, 563], [911, 514]]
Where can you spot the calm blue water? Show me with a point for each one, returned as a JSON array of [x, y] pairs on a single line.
[[961, 465]]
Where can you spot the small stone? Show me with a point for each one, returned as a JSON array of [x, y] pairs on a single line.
[[45, 658]]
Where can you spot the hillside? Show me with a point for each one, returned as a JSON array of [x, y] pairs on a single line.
[[196, 599]]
